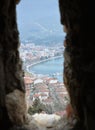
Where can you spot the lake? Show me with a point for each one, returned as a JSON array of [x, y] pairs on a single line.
[[53, 68]]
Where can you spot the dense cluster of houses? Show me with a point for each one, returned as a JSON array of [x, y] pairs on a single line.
[[47, 89]]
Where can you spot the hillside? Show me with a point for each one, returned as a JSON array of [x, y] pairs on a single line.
[[38, 22]]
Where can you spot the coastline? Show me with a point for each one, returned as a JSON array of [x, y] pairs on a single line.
[[42, 61]]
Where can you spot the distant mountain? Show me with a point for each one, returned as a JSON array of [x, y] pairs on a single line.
[[44, 34], [39, 21]]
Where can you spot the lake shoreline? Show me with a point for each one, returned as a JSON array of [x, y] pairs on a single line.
[[52, 67], [42, 61]]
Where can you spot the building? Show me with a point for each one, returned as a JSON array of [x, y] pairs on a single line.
[[28, 85]]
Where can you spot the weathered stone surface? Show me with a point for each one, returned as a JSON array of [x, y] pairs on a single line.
[[11, 75], [49, 122], [79, 66], [43, 121], [16, 107]]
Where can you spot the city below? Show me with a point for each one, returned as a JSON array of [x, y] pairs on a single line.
[[45, 87]]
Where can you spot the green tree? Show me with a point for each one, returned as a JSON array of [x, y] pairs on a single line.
[[37, 107]]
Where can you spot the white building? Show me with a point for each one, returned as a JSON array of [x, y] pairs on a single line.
[[38, 81]]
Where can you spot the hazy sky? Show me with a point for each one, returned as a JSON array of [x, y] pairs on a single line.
[[29, 11], [37, 11]]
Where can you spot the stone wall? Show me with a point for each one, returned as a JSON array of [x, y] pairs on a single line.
[[12, 90], [79, 67]]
